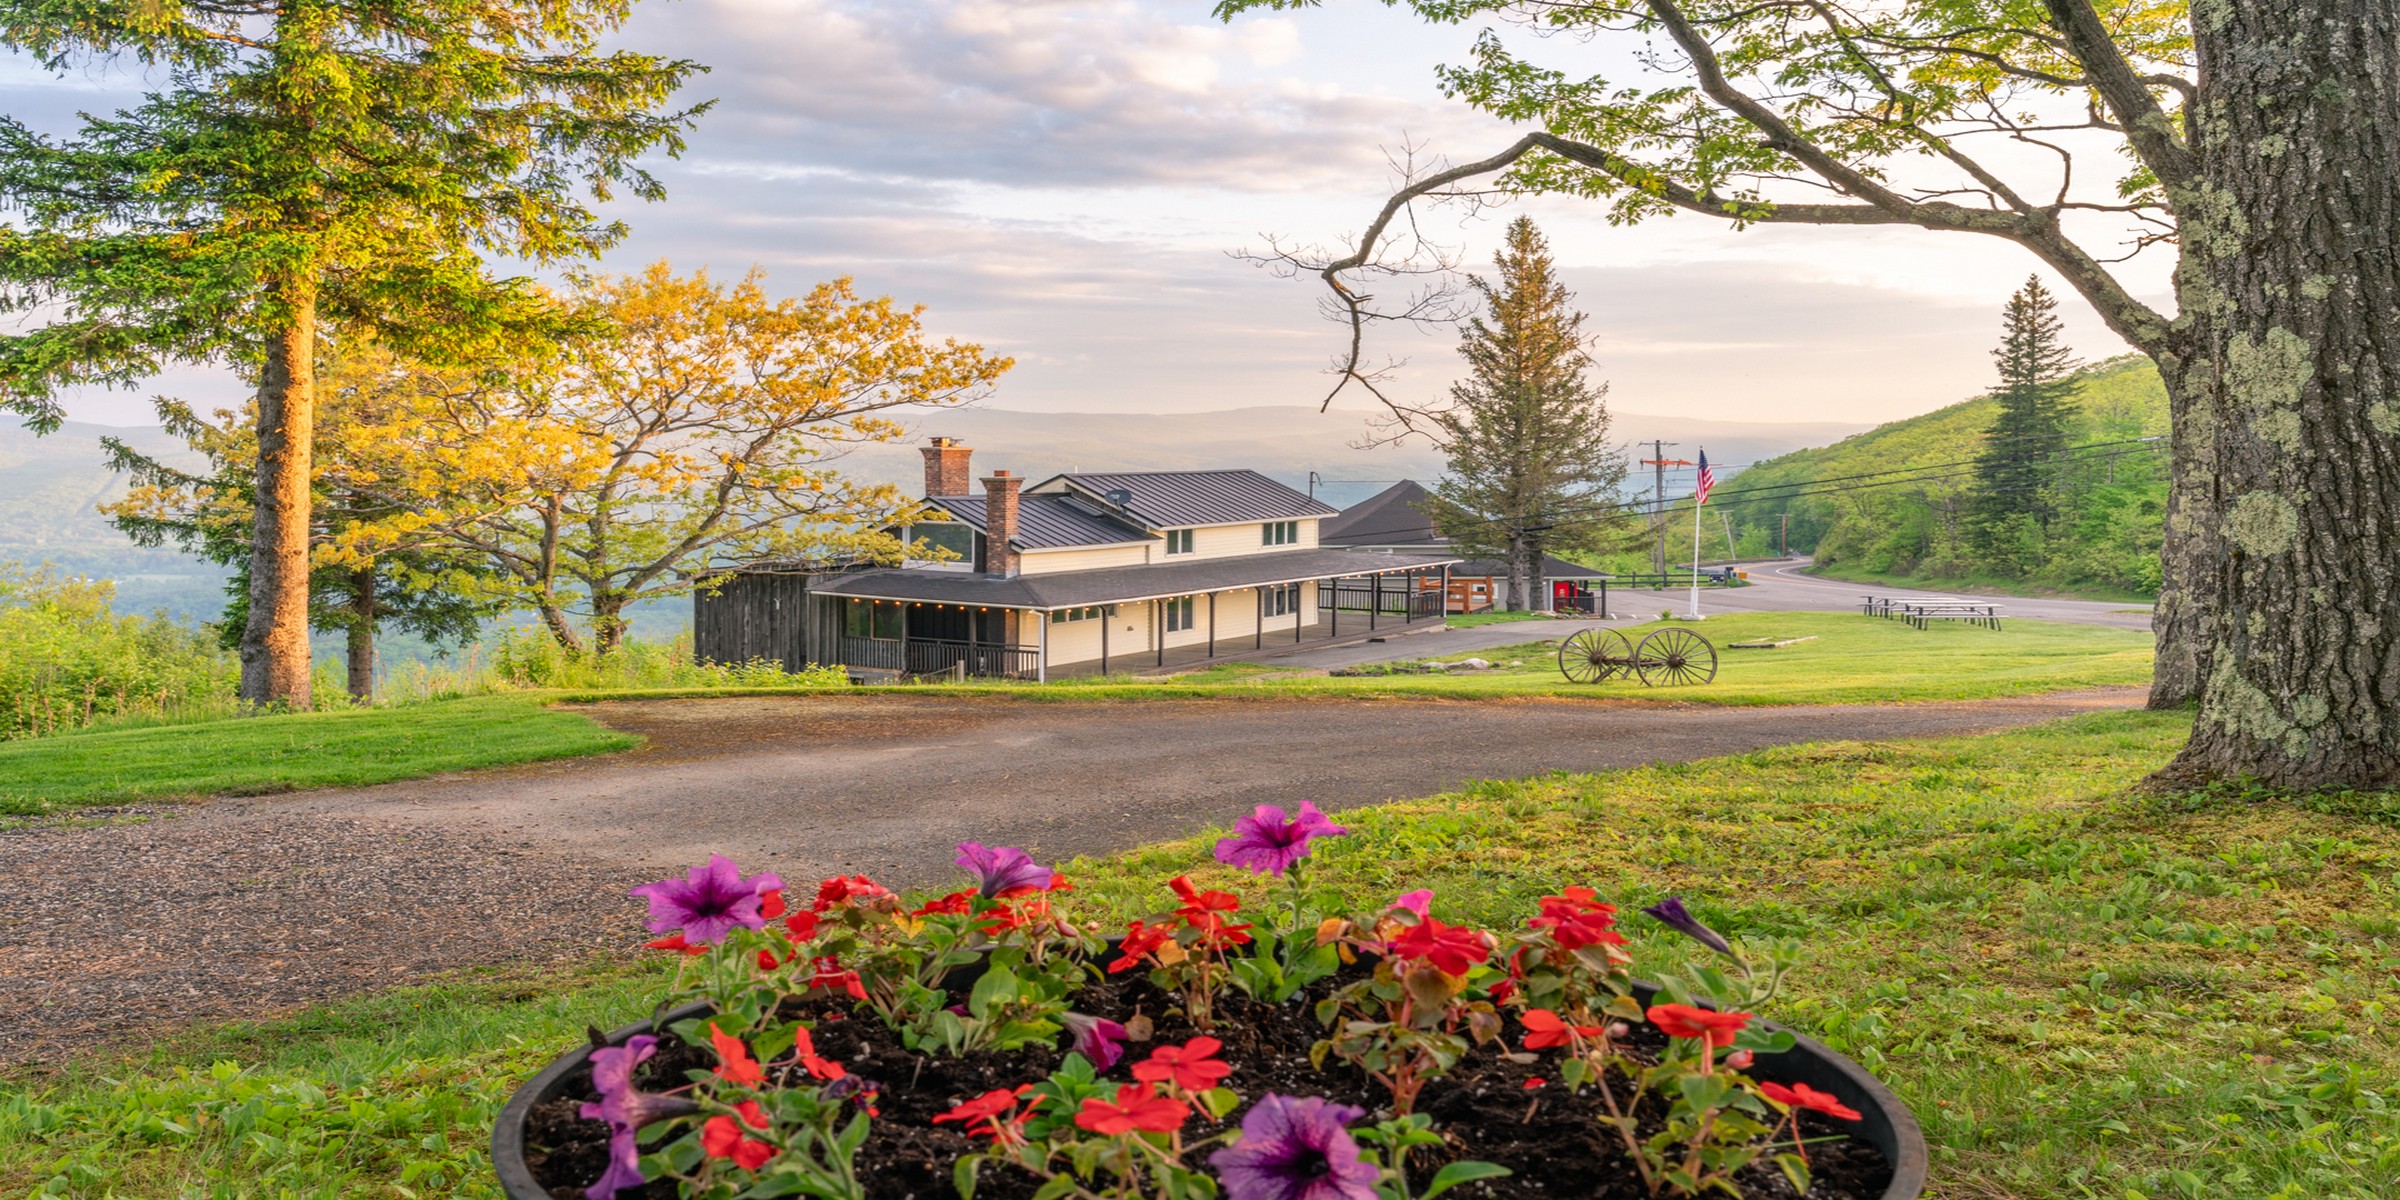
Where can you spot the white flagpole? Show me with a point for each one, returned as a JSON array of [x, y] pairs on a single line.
[[1696, 558]]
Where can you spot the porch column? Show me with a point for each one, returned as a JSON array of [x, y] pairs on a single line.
[[1445, 609], [1375, 602], [1336, 610], [1041, 648], [1299, 611], [1212, 624], [1258, 632], [1158, 628], [904, 637], [1107, 618]]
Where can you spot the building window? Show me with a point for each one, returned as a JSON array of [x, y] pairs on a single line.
[[1091, 613], [1179, 541], [1279, 533], [872, 619], [1280, 601], [1179, 614]]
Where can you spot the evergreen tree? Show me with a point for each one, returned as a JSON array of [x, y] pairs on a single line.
[[1527, 434], [2016, 472], [344, 161]]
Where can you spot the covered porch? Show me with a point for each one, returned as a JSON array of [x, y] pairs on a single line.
[[1119, 620]]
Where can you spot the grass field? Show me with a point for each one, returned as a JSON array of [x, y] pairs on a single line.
[[2082, 992], [252, 755]]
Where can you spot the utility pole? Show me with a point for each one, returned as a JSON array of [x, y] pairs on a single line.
[[1784, 541], [1658, 499]]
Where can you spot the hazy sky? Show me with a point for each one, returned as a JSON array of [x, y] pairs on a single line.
[[1063, 179]]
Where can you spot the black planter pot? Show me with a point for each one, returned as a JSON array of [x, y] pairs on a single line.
[[1885, 1123]]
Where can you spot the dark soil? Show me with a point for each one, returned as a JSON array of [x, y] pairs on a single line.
[[1551, 1139]]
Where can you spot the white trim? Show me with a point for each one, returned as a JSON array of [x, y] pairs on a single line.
[[1146, 598]]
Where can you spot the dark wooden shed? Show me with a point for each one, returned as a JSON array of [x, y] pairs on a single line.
[[762, 613]]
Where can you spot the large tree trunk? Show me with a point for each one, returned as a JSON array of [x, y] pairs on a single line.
[[2291, 231], [2192, 536], [364, 611], [274, 652]]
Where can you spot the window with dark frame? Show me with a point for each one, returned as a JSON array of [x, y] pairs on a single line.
[[1281, 601], [1179, 541], [1088, 613], [872, 619], [1279, 533], [1179, 614]]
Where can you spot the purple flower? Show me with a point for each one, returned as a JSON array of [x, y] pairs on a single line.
[[1419, 901], [708, 901], [626, 1110], [1295, 1149], [1096, 1038], [1002, 869], [1670, 911], [1267, 843]]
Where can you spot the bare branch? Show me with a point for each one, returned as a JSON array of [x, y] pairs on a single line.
[[2146, 125]]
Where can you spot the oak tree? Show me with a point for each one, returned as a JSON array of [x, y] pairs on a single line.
[[2256, 142], [304, 162]]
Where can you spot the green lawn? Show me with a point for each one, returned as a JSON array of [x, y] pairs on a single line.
[[2084, 993], [253, 755]]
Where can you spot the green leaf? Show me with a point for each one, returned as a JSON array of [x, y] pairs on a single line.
[[1461, 1172], [963, 1175], [996, 987]]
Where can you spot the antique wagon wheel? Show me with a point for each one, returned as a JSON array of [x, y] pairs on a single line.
[[1675, 658], [1595, 654]]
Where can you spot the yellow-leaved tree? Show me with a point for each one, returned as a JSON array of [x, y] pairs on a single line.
[[690, 425]]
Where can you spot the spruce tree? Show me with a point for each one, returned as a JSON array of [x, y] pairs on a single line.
[[1526, 432], [2016, 472], [347, 165]]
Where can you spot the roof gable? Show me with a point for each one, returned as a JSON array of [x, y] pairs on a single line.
[[1175, 499], [1395, 516], [1049, 522]]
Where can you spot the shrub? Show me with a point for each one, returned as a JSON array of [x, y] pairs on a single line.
[[69, 661]]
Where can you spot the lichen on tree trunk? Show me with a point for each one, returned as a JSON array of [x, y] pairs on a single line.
[[2292, 307], [274, 647]]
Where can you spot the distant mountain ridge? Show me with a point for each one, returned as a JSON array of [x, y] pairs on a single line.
[[51, 487]]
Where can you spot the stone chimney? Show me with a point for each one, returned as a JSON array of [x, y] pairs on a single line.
[[946, 471], [999, 521]]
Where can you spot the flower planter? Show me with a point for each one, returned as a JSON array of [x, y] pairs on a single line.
[[1886, 1123]]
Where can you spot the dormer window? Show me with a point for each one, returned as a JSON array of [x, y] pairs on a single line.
[[1279, 533], [1179, 541]]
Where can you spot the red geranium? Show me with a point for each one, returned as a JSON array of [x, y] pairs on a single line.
[[1193, 1065], [1452, 949], [1685, 1021], [981, 1114], [844, 889], [770, 904], [829, 975], [804, 1048], [954, 904], [1578, 919], [1545, 1028], [734, 1064], [1206, 913], [676, 943], [1139, 942], [721, 1137], [1800, 1095], [802, 924], [1137, 1107]]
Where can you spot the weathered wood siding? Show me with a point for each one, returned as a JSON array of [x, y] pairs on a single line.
[[762, 616]]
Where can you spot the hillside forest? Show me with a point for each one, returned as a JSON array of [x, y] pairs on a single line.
[[1895, 504]]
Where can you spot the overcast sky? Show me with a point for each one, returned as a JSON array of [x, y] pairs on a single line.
[[1063, 180]]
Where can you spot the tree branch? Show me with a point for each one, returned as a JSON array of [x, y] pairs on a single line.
[[2147, 126]]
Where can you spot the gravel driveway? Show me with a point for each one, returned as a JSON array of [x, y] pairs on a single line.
[[129, 918]]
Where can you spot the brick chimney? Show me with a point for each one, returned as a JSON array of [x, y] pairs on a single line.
[[1000, 521], [946, 471]]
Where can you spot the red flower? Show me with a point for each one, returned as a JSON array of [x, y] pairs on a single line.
[[999, 919], [1193, 1065], [675, 942], [1685, 1021], [830, 975], [1800, 1095], [802, 924], [1452, 949], [982, 1113], [735, 1065], [1544, 1028], [1578, 919], [954, 904], [1137, 1107], [1140, 940], [805, 1049], [842, 889], [770, 904], [721, 1137], [1535, 1083]]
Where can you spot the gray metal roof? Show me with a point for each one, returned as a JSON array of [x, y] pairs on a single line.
[[1048, 522], [1118, 585], [1174, 499], [1395, 516]]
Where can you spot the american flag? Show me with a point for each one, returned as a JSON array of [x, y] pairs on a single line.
[[1708, 479]]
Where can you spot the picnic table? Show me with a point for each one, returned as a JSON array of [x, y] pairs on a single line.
[[1921, 611]]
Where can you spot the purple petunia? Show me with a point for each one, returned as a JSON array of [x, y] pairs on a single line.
[[626, 1110], [1096, 1038], [1419, 902], [708, 901], [1000, 870], [1268, 843], [1296, 1149], [1671, 912]]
